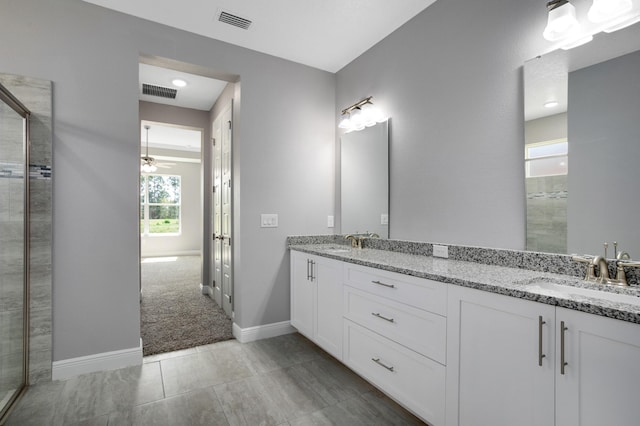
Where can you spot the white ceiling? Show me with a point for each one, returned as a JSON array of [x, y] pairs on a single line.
[[168, 136], [199, 93], [325, 34]]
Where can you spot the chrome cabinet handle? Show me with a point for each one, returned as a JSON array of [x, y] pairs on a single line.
[[384, 284], [377, 361], [376, 314], [541, 322], [313, 264], [562, 361], [308, 269]]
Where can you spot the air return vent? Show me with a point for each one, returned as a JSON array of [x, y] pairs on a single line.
[[235, 20], [162, 92]]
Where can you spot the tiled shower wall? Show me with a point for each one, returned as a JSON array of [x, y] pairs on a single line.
[[36, 95], [547, 214]]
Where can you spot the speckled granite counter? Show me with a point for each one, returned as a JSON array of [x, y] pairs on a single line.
[[510, 281]]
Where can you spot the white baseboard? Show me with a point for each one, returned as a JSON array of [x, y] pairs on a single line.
[[206, 289], [249, 334], [170, 253], [71, 367]]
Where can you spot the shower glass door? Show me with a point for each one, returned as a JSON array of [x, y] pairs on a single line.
[[13, 251]]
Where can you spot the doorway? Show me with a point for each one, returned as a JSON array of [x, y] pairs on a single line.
[[185, 109]]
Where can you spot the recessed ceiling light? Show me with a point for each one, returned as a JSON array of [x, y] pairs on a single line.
[[179, 83], [551, 104]]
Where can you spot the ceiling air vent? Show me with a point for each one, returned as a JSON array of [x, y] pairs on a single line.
[[235, 20], [162, 92]]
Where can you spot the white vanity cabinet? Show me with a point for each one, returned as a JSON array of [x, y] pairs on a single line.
[[316, 300], [500, 360], [602, 372], [504, 360], [395, 336]]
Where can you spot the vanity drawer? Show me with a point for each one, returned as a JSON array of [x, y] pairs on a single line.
[[418, 292], [416, 381], [419, 330]]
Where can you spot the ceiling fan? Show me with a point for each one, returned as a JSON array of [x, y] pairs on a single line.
[[149, 164]]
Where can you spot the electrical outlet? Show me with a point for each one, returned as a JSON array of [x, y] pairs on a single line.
[[440, 251], [330, 222], [269, 220]]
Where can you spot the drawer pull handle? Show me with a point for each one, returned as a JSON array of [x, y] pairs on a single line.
[[377, 361], [384, 284], [375, 314]]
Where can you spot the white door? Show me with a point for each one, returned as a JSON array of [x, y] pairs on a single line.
[[226, 208], [500, 368], [216, 208], [599, 384]]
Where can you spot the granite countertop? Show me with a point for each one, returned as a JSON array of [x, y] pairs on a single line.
[[514, 282]]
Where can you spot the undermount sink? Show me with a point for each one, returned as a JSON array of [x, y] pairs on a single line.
[[565, 290]]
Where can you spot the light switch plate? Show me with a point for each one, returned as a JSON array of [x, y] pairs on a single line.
[[269, 220], [330, 222], [440, 251], [384, 219]]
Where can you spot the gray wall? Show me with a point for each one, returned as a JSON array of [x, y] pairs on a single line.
[[604, 140], [451, 80], [283, 159]]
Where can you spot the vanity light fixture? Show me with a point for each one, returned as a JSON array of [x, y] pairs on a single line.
[[564, 27], [360, 115]]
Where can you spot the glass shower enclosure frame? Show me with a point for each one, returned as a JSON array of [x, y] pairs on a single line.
[[14, 252]]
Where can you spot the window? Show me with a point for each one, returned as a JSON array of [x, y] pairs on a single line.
[[546, 158], [159, 204]]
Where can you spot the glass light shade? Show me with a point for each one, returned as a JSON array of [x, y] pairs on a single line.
[[623, 22], [357, 118], [345, 123], [604, 10], [368, 114], [561, 22], [148, 168]]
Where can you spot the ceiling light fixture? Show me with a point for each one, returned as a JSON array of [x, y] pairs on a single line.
[[360, 115], [178, 82], [551, 104], [148, 163]]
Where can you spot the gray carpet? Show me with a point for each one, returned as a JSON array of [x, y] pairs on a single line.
[[174, 313]]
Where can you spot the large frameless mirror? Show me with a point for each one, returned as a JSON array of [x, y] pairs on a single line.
[[364, 181], [582, 146]]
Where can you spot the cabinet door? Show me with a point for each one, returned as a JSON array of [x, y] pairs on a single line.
[[600, 381], [328, 329], [494, 376], [302, 293]]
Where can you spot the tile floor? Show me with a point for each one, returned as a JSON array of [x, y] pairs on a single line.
[[285, 380]]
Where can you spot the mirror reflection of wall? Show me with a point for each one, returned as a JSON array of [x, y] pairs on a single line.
[[581, 155], [364, 181]]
